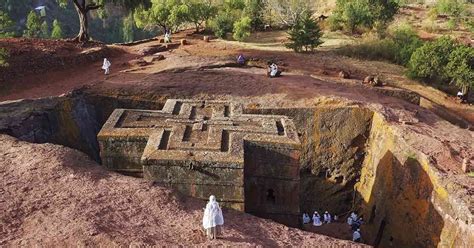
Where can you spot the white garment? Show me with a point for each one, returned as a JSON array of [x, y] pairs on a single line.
[[327, 217], [355, 235], [306, 218], [317, 220], [106, 64], [273, 70], [167, 38], [212, 214], [349, 220]]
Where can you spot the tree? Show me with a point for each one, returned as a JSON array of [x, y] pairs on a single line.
[[222, 25], [33, 25], [3, 57], [288, 12], [166, 14], [363, 13], [6, 25], [460, 67], [254, 9], [228, 13], [83, 7], [429, 61], [198, 12], [242, 28], [44, 30], [304, 34], [57, 32], [128, 29]]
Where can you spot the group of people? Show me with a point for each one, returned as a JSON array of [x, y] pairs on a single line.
[[317, 220], [355, 222], [213, 220]]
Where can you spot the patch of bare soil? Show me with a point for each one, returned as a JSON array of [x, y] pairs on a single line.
[[56, 196]]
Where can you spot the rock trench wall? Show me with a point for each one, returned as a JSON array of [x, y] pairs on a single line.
[[350, 158], [403, 199]]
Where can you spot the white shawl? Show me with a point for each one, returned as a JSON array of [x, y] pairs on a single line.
[[212, 214]]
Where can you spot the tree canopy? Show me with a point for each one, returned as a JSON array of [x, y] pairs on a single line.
[[351, 15], [305, 34], [7, 25], [83, 7]]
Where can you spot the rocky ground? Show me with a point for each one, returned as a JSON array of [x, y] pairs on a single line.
[[59, 197]]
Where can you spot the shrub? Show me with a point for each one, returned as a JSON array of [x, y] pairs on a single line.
[[363, 14], [450, 7], [3, 57], [6, 25], [222, 25], [371, 49], [460, 67], [305, 34], [396, 48], [451, 24], [242, 29], [406, 41], [429, 61]]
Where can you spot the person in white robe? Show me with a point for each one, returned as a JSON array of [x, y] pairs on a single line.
[[306, 218], [356, 236], [317, 219], [352, 218], [327, 217], [106, 66], [213, 218], [167, 37], [274, 70]]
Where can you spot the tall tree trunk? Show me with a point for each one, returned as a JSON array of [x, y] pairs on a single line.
[[83, 35], [82, 11]]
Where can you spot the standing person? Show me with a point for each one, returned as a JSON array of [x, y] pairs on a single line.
[[167, 36], [356, 236], [352, 218], [106, 66], [212, 218]]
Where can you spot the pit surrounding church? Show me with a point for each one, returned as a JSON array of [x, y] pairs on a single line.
[[201, 148]]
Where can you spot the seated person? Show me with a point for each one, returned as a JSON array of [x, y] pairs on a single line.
[[306, 218], [273, 71], [461, 96], [241, 59]]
